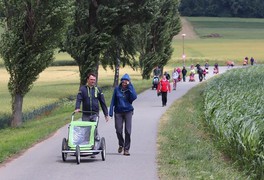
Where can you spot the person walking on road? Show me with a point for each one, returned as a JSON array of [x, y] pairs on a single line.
[[121, 105], [184, 72], [90, 96], [200, 74], [167, 75], [164, 88], [175, 76], [206, 66], [252, 61], [157, 72]]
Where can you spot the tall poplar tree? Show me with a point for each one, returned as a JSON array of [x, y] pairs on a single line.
[[32, 30], [156, 36], [86, 38], [125, 17]]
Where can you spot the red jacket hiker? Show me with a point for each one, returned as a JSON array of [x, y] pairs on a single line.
[[164, 86]]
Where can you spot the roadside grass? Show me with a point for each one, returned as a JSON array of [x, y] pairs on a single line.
[[15, 140], [185, 150]]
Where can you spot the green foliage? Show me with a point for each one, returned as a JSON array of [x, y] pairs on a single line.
[[234, 112], [32, 32], [86, 37], [125, 18], [155, 38]]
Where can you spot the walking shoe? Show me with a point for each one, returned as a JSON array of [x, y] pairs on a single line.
[[97, 138], [120, 149], [93, 156], [126, 153]]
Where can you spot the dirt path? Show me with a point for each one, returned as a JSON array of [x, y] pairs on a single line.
[[187, 29]]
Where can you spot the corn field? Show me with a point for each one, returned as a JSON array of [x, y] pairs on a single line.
[[234, 112]]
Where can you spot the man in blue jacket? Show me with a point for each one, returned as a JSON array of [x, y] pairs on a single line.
[[121, 104]]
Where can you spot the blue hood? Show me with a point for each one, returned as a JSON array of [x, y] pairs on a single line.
[[125, 77]]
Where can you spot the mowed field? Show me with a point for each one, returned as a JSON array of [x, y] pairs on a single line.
[[220, 39], [56, 83], [236, 39]]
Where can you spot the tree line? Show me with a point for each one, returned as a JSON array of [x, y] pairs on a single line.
[[111, 33], [223, 8]]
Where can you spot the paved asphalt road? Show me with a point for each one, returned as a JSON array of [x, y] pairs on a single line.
[[44, 161]]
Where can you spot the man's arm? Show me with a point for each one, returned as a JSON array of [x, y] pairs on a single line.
[[103, 104], [79, 99]]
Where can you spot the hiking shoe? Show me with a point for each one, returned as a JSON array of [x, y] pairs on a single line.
[[120, 149], [97, 138], [126, 153]]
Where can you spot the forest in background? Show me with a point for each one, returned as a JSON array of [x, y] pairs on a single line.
[[223, 8]]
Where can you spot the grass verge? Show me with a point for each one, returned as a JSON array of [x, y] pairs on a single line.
[[16, 140], [185, 151]]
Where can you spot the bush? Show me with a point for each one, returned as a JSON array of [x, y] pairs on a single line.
[[64, 63]]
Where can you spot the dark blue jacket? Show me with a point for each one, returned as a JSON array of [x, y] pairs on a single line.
[[90, 97], [122, 99]]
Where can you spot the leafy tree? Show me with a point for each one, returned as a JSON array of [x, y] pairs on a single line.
[[32, 32], [87, 37], [99, 34], [121, 52], [122, 48], [156, 37]]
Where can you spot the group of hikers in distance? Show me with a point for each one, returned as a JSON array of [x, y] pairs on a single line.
[[179, 74], [161, 82], [245, 61]]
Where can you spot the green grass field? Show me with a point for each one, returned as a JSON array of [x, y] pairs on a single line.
[[229, 28], [56, 83], [239, 37]]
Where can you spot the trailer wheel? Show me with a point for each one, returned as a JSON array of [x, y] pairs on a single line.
[[103, 148], [64, 147], [78, 154]]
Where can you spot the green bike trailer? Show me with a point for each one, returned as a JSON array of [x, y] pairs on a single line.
[[82, 140]]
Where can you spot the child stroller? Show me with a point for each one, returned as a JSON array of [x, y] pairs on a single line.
[[191, 77], [83, 139], [155, 82]]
